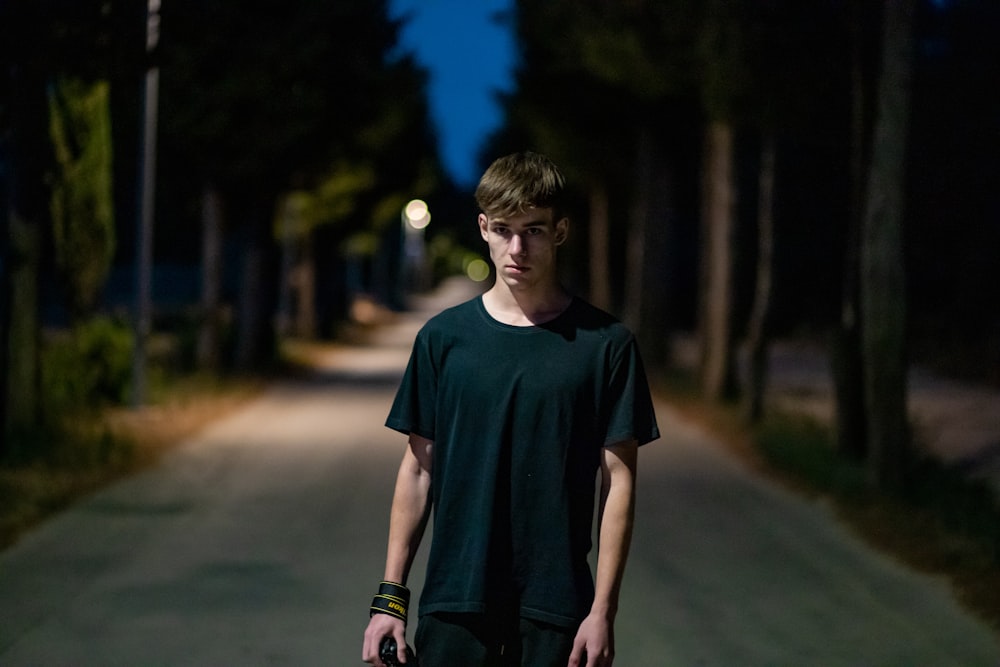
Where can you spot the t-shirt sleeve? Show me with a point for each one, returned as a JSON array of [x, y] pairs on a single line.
[[629, 404], [413, 409]]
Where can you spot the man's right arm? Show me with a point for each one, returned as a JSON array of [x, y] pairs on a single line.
[[410, 510]]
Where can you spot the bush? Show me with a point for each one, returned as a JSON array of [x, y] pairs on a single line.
[[803, 447], [91, 366]]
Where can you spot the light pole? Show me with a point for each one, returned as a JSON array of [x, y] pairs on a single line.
[[414, 221], [147, 182]]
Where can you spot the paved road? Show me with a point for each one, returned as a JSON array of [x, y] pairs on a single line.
[[259, 542]]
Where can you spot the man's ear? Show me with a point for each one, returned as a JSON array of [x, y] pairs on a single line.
[[562, 231], [484, 227]]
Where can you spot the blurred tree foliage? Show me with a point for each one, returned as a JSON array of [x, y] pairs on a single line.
[[41, 42], [639, 79], [795, 77], [256, 100], [265, 98], [617, 81], [82, 203], [87, 366], [620, 93], [952, 227]]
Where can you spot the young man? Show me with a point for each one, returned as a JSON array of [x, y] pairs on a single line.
[[513, 402]]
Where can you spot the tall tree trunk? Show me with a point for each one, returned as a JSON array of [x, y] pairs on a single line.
[[882, 274], [757, 330], [845, 345], [718, 376], [209, 330], [649, 254], [255, 346], [6, 214], [248, 347], [22, 336], [600, 276], [305, 289], [249, 315], [28, 154], [635, 250], [290, 215]]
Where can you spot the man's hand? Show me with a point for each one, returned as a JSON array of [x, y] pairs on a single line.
[[379, 627], [594, 645]]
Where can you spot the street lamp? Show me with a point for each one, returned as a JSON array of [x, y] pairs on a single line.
[[144, 233], [414, 221], [417, 215]]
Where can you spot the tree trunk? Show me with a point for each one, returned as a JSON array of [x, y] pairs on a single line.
[[757, 330], [845, 345], [647, 302], [209, 330], [718, 377], [635, 287], [305, 289], [882, 274], [249, 345], [6, 214], [27, 153], [259, 287], [600, 278], [22, 358]]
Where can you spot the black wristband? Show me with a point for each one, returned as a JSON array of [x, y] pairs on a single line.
[[392, 599]]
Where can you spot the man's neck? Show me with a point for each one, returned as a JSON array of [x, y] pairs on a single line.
[[525, 307]]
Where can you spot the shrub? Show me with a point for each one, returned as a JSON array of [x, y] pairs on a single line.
[[88, 367]]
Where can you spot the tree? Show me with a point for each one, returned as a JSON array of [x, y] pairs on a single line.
[[786, 55], [21, 260], [285, 90], [208, 355], [758, 327], [650, 257], [953, 173], [567, 74], [721, 53], [24, 159], [82, 202], [608, 100], [847, 364], [883, 286]]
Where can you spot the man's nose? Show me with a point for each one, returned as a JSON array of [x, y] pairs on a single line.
[[516, 244]]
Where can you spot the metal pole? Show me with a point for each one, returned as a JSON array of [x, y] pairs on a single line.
[[147, 183]]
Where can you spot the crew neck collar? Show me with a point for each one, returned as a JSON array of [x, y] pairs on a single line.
[[541, 326]]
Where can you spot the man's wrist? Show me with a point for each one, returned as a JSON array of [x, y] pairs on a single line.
[[392, 599], [604, 610]]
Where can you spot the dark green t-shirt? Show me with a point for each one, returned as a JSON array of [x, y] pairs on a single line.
[[518, 416]]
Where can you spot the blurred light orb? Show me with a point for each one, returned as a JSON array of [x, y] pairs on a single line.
[[477, 270], [417, 214]]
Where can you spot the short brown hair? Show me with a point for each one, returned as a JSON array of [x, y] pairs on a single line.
[[517, 182]]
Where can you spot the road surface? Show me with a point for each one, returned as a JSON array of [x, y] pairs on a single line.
[[261, 541]]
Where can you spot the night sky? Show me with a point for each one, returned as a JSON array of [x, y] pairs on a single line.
[[470, 57]]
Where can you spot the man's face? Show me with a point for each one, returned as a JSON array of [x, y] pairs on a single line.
[[523, 246]]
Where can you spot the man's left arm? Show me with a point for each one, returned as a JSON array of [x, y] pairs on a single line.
[[594, 644]]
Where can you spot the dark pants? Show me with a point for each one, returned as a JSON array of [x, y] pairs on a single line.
[[479, 640]]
